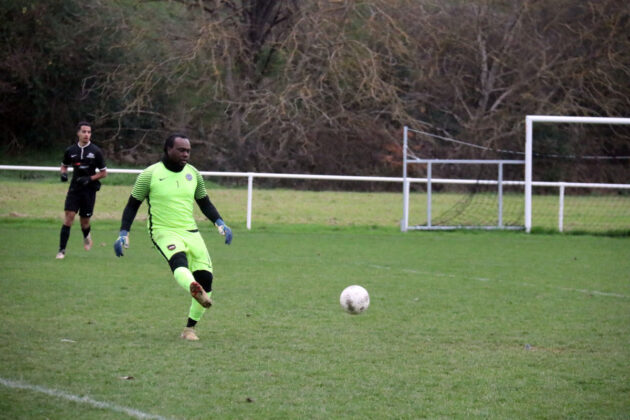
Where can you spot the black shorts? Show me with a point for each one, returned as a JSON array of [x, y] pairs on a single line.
[[81, 201]]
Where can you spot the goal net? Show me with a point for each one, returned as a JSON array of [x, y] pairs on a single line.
[[452, 184], [573, 176], [577, 174]]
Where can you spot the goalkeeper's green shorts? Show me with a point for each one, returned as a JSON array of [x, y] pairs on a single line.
[[170, 242]]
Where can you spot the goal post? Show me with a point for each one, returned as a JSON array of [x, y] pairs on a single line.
[[529, 146], [569, 169], [472, 196]]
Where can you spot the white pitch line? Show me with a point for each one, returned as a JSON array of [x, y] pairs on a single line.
[[437, 274], [594, 292], [585, 291], [81, 400], [429, 273]]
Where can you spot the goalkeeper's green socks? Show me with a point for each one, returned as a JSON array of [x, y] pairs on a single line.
[[184, 277], [196, 310]]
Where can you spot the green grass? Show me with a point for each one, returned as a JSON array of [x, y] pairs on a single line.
[[461, 324], [43, 199], [20, 199]]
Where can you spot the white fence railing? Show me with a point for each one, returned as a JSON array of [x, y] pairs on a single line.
[[251, 175]]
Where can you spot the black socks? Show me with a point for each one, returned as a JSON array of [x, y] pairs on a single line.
[[63, 237]]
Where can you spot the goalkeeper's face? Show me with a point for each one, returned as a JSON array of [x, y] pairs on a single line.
[[180, 152]]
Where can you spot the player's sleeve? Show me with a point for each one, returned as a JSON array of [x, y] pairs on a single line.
[[129, 213], [100, 160], [139, 192], [203, 201], [66, 158], [208, 209], [143, 185], [200, 191]]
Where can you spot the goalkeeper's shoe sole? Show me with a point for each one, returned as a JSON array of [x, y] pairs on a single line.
[[189, 334], [200, 295], [87, 242]]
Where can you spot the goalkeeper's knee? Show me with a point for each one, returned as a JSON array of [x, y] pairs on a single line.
[[204, 278], [178, 260]]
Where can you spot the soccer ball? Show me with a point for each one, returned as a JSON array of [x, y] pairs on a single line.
[[354, 299]]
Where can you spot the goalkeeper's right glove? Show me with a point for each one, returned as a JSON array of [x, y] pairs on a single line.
[[64, 177], [121, 242]]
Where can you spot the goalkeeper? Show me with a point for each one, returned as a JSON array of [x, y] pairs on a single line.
[[171, 187]]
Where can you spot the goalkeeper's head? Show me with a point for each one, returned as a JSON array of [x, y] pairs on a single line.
[[177, 149]]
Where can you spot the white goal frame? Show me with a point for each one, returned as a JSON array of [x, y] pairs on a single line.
[[498, 182], [529, 144], [528, 182]]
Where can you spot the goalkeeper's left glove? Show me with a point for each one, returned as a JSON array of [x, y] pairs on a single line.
[[224, 230], [121, 242]]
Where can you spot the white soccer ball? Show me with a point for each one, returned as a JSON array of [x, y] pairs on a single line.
[[354, 299]]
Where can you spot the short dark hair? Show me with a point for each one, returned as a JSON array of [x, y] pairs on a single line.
[[170, 140], [82, 123]]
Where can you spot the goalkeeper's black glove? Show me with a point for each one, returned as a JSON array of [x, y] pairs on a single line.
[[64, 177]]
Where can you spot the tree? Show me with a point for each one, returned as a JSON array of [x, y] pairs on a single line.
[[46, 64], [322, 86]]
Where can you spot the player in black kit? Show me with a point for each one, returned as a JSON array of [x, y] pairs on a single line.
[[85, 158]]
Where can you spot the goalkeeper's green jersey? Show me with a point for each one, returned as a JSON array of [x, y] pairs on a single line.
[[170, 196]]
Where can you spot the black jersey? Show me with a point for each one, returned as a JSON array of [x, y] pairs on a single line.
[[84, 160]]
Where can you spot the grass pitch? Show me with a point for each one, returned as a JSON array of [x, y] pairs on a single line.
[[461, 325]]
